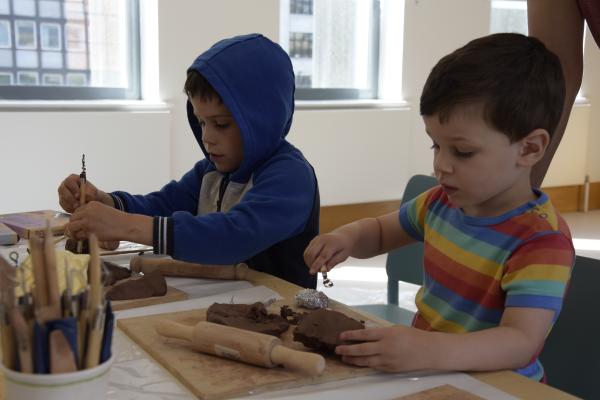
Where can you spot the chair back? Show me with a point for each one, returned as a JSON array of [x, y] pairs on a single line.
[[571, 354], [406, 263]]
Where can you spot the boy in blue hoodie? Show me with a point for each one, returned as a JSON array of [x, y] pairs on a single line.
[[253, 199]]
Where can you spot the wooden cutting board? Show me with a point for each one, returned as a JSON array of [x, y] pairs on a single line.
[[444, 392], [210, 377], [172, 294]]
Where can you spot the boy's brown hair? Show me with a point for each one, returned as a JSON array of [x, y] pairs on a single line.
[[517, 80], [197, 85]]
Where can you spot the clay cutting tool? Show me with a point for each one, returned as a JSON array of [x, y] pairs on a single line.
[[82, 182], [326, 281]]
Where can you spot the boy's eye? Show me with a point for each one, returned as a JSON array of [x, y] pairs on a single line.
[[435, 146], [463, 154], [221, 126]]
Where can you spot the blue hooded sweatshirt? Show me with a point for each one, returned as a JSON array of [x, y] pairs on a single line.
[[264, 213]]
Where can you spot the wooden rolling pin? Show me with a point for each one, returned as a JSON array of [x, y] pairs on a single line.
[[169, 267], [242, 345]]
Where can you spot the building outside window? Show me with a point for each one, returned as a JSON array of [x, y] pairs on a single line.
[[69, 49], [51, 37], [334, 47]]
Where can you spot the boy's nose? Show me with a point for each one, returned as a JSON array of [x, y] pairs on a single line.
[[441, 164], [207, 136]]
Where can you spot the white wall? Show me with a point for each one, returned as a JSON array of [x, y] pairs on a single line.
[[39, 149], [359, 155]]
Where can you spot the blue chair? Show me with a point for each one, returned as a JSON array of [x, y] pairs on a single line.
[[571, 354], [402, 264]]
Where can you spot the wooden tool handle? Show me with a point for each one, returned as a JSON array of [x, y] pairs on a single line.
[[40, 295], [311, 364], [62, 359], [52, 290], [169, 267], [94, 273], [172, 329]]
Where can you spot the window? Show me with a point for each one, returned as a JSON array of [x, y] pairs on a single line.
[[52, 80], [50, 36], [26, 34], [334, 47], [6, 78], [28, 78], [509, 16], [5, 39], [69, 49]]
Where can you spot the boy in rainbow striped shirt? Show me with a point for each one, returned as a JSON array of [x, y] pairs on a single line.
[[498, 256]]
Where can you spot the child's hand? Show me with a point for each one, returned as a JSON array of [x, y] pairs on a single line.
[[68, 194], [106, 222], [392, 349], [326, 251]]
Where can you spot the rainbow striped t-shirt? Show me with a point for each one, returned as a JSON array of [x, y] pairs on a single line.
[[475, 267]]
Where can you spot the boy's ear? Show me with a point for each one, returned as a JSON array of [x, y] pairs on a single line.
[[532, 147]]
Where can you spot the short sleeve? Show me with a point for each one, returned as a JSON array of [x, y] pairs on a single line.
[[412, 213], [537, 274]]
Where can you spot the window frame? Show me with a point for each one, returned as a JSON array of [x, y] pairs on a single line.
[[336, 94], [60, 93]]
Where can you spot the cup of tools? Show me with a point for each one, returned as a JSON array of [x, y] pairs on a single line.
[[55, 345], [91, 384]]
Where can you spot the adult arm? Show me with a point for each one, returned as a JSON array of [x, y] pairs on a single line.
[[559, 25]]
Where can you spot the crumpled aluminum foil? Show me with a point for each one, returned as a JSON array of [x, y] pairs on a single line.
[[311, 298]]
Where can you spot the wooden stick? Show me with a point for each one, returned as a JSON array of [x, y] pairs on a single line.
[[23, 338], [62, 358], [7, 290], [51, 273], [81, 203], [40, 295], [92, 354], [94, 274]]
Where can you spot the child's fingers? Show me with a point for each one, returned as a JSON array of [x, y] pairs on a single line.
[[337, 258], [363, 335], [311, 251], [315, 255], [358, 350], [320, 261], [372, 361]]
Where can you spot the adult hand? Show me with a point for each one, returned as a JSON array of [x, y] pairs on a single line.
[[390, 349], [326, 251], [69, 192]]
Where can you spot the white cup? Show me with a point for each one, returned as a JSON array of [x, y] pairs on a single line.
[[88, 384]]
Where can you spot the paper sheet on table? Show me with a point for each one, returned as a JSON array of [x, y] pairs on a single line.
[[386, 386], [246, 296]]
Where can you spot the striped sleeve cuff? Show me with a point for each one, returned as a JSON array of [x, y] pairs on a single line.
[[162, 235], [119, 205]]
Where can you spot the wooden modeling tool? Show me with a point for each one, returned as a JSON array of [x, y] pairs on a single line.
[[51, 274], [242, 345], [40, 296], [82, 182], [23, 337], [326, 281], [168, 267], [7, 304], [96, 308], [62, 358]]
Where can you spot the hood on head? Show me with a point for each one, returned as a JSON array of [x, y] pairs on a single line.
[[255, 79]]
